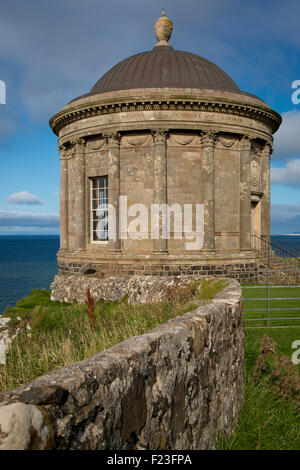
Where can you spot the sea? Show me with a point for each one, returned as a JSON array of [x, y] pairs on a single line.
[[29, 262], [26, 263]]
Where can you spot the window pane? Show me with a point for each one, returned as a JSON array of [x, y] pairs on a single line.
[[99, 208]]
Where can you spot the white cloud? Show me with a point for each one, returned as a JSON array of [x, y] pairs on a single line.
[[24, 197], [27, 219], [287, 138], [285, 211], [285, 218], [288, 175]]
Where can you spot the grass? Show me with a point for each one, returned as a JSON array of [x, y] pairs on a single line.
[[62, 333], [283, 304], [54, 334], [270, 417]]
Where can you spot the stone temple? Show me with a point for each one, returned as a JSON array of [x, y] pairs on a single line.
[[165, 129]]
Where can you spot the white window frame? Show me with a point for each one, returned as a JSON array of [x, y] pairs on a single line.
[[93, 210]]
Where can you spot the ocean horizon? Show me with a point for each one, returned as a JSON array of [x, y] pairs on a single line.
[[26, 262], [29, 262]]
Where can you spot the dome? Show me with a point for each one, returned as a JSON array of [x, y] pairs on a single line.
[[164, 67]]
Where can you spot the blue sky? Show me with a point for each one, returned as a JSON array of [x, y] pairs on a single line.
[[54, 51]]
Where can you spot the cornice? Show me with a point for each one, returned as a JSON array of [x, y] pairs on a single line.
[[68, 116]]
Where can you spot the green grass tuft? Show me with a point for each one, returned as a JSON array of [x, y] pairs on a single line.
[[268, 421]]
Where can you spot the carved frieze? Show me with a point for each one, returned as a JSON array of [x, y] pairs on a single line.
[[270, 118], [226, 141], [183, 139], [96, 144], [135, 140]]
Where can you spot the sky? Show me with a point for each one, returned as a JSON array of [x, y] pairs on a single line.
[[53, 51]]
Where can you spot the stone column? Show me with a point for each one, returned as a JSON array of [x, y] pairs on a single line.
[[265, 182], [160, 185], [245, 194], [208, 189], [80, 195], [64, 215], [113, 146]]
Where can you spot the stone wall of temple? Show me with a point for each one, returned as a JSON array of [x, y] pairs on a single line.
[[170, 147]]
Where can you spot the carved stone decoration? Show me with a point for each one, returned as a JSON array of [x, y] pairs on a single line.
[[79, 145], [183, 139], [136, 140], [163, 30], [96, 144], [255, 148], [113, 139], [160, 136], [227, 141], [63, 150], [245, 142], [208, 138], [267, 150], [69, 117], [254, 172]]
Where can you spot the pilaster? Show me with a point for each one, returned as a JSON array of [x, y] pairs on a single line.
[[265, 177], [208, 188], [64, 196], [113, 145], [160, 187], [245, 193], [80, 195]]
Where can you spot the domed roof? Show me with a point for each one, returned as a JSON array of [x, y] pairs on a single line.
[[164, 67]]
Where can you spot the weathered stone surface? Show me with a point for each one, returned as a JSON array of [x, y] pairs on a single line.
[[8, 334], [44, 395], [173, 388], [137, 289], [24, 427]]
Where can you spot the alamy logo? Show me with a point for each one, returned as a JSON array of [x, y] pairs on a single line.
[[2, 92], [185, 221], [296, 93], [296, 354]]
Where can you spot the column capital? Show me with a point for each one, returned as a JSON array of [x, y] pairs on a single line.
[[159, 135], [79, 144], [245, 142], [267, 150], [63, 150], [113, 139], [208, 138]]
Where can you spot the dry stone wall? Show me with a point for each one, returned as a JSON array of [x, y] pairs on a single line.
[[175, 387]]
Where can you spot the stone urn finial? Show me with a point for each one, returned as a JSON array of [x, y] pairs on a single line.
[[163, 30]]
